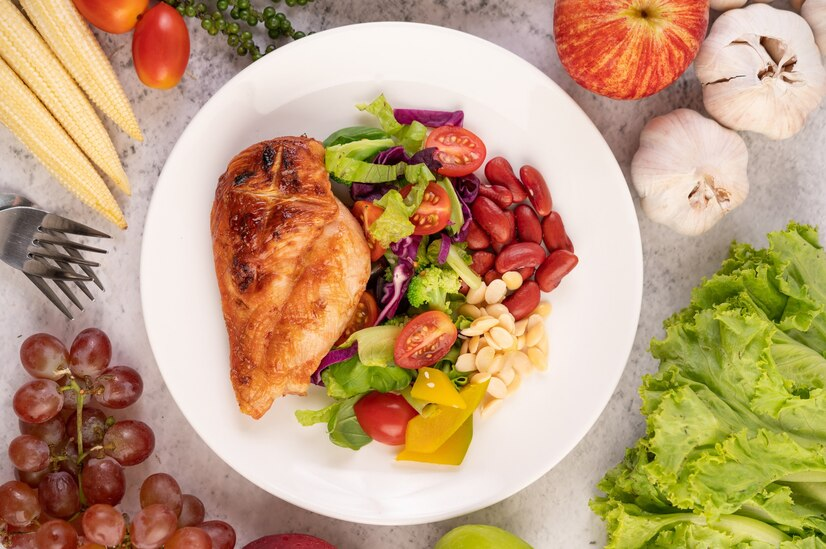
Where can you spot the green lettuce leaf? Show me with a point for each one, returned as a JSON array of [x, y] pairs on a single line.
[[344, 428], [734, 453], [410, 136], [394, 224], [351, 378]]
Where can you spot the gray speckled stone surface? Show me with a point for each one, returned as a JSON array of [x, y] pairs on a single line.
[[786, 177]]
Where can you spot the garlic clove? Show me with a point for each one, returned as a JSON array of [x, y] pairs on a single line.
[[814, 12], [725, 5], [761, 71], [689, 171]]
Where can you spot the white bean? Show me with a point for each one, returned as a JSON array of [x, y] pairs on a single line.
[[506, 374], [484, 359], [534, 335], [513, 280], [538, 358], [507, 321], [470, 311], [495, 293], [497, 388], [466, 363], [479, 378], [497, 310], [543, 309], [501, 337], [491, 342], [490, 406], [520, 326], [473, 344], [474, 297]]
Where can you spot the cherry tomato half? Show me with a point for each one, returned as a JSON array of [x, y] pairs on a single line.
[[434, 213], [461, 152], [160, 47], [366, 213], [424, 340], [367, 311], [115, 16], [384, 416]]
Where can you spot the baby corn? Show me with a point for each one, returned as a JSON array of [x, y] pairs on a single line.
[[22, 48], [63, 28], [29, 120]]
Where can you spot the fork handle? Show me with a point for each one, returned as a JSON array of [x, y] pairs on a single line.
[[12, 200]]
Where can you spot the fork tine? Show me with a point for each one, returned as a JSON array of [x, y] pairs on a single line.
[[66, 243], [54, 222], [89, 272], [65, 266], [65, 289], [54, 256], [43, 287], [44, 270]]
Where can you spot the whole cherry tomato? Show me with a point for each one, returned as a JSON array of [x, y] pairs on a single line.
[[115, 16], [160, 47]]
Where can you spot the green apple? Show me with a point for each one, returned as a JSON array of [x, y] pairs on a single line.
[[479, 536]]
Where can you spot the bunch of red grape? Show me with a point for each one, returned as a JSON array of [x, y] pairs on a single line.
[[70, 456]]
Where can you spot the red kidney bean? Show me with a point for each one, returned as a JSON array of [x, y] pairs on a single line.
[[568, 244], [490, 276], [477, 239], [554, 269], [500, 172], [527, 273], [528, 228], [498, 193], [519, 255], [497, 247], [523, 301], [553, 232], [491, 219], [510, 227], [482, 262], [537, 189], [464, 288]]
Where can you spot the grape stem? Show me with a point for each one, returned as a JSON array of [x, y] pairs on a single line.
[[80, 455], [83, 456]]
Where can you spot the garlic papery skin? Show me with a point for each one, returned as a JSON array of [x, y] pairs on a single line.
[[725, 5], [814, 12], [761, 71], [689, 171]]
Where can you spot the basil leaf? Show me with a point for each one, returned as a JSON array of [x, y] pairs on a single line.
[[354, 133], [311, 417], [344, 428]]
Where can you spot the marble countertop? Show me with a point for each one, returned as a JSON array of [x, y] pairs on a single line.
[[786, 180]]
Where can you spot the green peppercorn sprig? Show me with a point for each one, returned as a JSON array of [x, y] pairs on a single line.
[[241, 12]]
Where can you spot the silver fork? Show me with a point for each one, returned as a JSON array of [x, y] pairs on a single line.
[[35, 242]]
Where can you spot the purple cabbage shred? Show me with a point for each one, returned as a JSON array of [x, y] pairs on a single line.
[[431, 119], [333, 357]]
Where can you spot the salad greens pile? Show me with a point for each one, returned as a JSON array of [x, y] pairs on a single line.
[[389, 168], [735, 449]]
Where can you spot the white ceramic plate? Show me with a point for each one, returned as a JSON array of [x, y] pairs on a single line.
[[310, 87]]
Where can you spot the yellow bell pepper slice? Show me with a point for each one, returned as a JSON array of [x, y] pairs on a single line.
[[427, 434], [434, 385], [452, 452]]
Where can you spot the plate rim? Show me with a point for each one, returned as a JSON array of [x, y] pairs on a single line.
[[637, 262]]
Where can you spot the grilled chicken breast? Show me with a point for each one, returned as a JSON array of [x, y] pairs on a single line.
[[291, 263]]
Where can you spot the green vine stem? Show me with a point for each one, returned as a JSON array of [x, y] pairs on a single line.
[[241, 12]]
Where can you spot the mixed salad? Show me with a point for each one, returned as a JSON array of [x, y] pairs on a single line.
[[436, 334]]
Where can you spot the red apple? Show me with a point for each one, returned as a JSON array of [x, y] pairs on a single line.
[[628, 49]]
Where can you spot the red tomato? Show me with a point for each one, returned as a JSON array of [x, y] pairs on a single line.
[[366, 213], [461, 152], [160, 47], [425, 340], [434, 213], [384, 416], [115, 16], [367, 311]]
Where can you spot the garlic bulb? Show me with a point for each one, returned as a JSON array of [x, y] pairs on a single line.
[[725, 5], [814, 12], [689, 171], [761, 71]]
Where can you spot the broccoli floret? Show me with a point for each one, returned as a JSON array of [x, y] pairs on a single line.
[[431, 286], [458, 260], [400, 320]]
